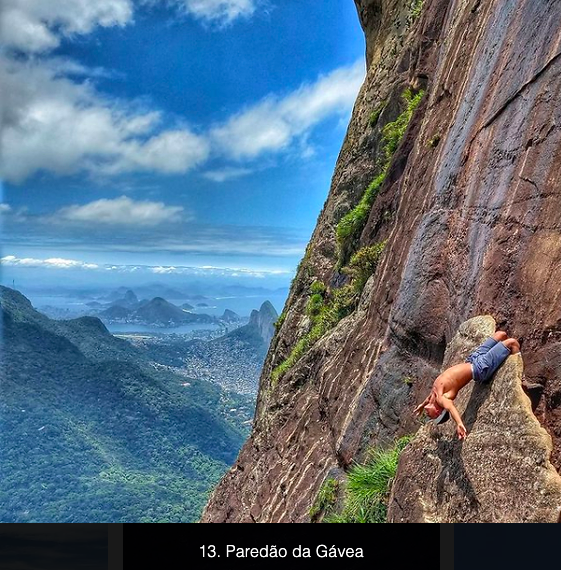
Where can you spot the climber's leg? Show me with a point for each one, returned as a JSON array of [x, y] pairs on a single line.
[[482, 349], [512, 344], [484, 366], [480, 365]]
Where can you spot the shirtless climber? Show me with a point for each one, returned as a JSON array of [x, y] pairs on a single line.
[[480, 365]]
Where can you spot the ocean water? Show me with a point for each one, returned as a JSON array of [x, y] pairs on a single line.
[[67, 307], [118, 328]]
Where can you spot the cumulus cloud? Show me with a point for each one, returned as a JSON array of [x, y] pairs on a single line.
[[221, 12], [51, 122], [275, 122], [5, 208], [55, 123], [52, 263], [225, 174], [170, 152], [121, 211], [36, 25]]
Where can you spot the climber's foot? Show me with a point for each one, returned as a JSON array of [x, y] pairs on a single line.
[[512, 344]]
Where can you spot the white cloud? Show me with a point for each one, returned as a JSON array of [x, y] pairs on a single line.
[[225, 174], [207, 270], [53, 262], [218, 271], [61, 66], [53, 123], [275, 122], [221, 12], [53, 119], [121, 211], [5, 208], [36, 25], [171, 152], [161, 270]]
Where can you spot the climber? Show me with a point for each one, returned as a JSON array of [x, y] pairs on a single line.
[[479, 366]]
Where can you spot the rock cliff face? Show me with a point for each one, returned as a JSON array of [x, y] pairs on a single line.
[[500, 473], [470, 208]]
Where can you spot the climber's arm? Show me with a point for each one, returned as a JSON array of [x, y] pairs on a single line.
[[418, 410], [448, 404]]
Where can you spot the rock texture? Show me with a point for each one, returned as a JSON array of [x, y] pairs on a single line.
[[500, 473], [470, 210]]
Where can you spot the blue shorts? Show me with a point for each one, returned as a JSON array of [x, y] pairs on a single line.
[[487, 358]]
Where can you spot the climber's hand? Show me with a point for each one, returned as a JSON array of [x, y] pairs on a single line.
[[419, 409], [461, 431]]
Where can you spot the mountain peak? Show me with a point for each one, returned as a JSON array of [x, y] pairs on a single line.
[[267, 308], [11, 295], [263, 320], [18, 306], [229, 316], [254, 317], [131, 297]]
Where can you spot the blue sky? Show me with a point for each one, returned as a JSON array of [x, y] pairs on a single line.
[[164, 137]]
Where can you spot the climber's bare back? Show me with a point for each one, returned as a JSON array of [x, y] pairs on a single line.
[[452, 380]]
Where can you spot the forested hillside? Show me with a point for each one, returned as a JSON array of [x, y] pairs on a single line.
[[93, 431]]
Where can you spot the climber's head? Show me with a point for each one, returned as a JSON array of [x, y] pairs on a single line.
[[433, 410]]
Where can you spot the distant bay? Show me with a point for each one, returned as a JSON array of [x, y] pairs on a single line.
[[117, 328]]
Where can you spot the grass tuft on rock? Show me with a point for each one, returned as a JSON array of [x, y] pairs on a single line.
[[363, 264], [315, 303], [375, 115], [393, 132], [354, 221], [416, 8], [368, 487], [318, 288], [327, 309], [325, 499], [434, 141], [339, 303], [280, 320]]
